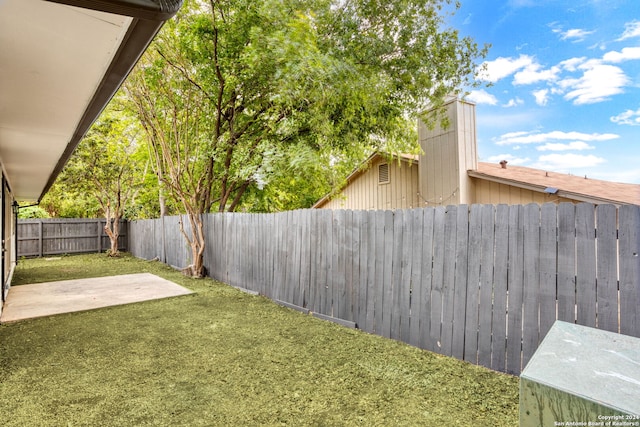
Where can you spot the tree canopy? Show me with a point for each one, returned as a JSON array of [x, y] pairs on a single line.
[[266, 105]]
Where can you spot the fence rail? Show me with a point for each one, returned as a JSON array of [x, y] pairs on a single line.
[[43, 237], [481, 283]]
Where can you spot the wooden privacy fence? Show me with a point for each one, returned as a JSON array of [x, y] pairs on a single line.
[[481, 283], [43, 237]]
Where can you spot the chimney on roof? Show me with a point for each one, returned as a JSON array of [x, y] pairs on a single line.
[[503, 163]]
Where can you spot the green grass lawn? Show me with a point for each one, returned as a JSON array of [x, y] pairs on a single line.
[[223, 357]]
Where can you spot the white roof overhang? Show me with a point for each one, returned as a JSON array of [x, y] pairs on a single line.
[[60, 64]]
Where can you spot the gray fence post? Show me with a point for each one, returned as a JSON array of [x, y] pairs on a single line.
[[40, 239], [99, 235]]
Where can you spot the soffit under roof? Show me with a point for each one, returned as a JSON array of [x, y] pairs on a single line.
[[59, 67]]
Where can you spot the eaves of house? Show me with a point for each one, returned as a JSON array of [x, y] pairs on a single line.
[[61, 62], [578, 188]]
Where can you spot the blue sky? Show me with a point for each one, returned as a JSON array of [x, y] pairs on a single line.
[[565, 77]]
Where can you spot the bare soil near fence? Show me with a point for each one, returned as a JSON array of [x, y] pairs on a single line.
[[223, 357]]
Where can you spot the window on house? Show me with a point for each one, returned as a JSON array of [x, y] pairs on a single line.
[[383, 173]]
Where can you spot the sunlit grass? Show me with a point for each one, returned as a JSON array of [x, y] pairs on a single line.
[[222, 357]]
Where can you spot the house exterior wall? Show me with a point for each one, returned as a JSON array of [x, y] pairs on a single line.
[[494, 193], [448, 154], [7, 232], [365, 192]]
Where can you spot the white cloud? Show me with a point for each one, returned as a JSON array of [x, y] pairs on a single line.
[[507, 119], [502, 67], [513, 102], [575, 34], [532, 74], [629, 117], [521, 3], [572, 64], [631, 29], [627, 53], [567, 161], [575, 145], [541, 96], [542, 138], [482, 97], [509, 158], [597, 84]]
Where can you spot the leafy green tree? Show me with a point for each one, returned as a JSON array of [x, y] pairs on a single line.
[[32, 212], [105, 168], [232, 90]]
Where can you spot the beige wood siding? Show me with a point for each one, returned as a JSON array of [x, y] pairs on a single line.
[[365, 192], [448, 154], [494, 193]]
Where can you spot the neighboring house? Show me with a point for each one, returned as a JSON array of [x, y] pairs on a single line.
[[61, 61], [448, 173]]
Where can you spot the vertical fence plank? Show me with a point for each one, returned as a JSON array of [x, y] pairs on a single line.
[[396, 275], [607, 268], [585, 265], [485, 309], [257, 260], [40, 252], [531, 304], [548, 267], [387, 274], [327, 276], [279, 255], [380, 253], [294, 232], [337, 282], [629, 236], [501, 262], [426, 279], [448, 282], [404, 287], [358, 302], [305, 259], [371, 278], [313, 262], [416, 289], [460, 282], [515, 281], [437, 279], [473, 281], [348, 253], [566, 292]]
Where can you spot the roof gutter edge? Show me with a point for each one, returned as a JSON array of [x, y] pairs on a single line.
[[151, 10], [540, 188]]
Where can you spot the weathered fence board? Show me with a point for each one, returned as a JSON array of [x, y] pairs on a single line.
[[486, 286], [460, 282], [481, 283], [566, 272], [586, 265], [473, 281], [437, 280], [500, 272], [43, 237], [606, 266], [515, 289], [531, 281], [548, 265], [629, 239], [417, 309]]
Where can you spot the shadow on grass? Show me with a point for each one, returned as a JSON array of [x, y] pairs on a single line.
[[222, 357]]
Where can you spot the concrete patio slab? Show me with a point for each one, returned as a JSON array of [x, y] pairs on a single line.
[[46, 299]]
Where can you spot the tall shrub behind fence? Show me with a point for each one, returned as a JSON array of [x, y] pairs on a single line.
[[482, 283]]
